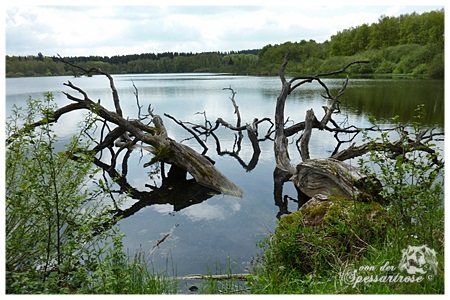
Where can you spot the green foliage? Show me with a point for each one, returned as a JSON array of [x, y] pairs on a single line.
[[411, 59], [392, 45], [116, 274], [312, 249], [214, 285], [424, 29], [49, 210], [413, 183], [436, 69], [55, 238], [232, 62], [316, 240]]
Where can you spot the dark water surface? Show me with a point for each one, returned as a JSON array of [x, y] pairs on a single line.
[[223, 230]]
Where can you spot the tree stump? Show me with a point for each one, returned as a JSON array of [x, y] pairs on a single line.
[[327, 176]]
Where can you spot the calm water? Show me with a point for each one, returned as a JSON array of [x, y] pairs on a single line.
[[222, 228]]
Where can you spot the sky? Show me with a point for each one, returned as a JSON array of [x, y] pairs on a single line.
[[139, 27]]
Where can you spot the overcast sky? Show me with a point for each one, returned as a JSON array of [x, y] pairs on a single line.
[[188, 26]]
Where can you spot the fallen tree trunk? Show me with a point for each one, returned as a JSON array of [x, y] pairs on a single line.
[[243, 277], [164, 148], [127, 132], [199, 167], [327, 176]]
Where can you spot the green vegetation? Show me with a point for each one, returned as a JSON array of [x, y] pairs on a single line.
[[411, 44], [54, 236], [328, 248], [232, 62]]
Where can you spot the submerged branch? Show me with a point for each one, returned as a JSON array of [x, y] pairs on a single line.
[[241, 277]]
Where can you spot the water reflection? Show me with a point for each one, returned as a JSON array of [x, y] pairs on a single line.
[[211, 230], [211, 212], [385, 99], [175, 190]]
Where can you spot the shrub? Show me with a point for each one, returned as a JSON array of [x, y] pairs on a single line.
[[56, 241], [437, 67], [50, 211], [413, 183]]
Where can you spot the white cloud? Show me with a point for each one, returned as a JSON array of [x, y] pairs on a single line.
[[118, 30]]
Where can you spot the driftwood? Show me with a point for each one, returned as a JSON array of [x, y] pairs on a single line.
[[327, 176], [128, 132], [285, 170], [164, 148], [281, 133], [206, 130]]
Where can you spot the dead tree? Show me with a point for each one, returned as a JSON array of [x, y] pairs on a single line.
[[120, 133], [311, 177], [321, 177], [206, 130]]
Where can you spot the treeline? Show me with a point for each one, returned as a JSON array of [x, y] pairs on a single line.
[[169, 62], [408, 44]]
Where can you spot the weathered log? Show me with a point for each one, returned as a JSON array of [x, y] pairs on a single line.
[[154, 137], [304, 144], [328, 176], [242, 276], [283, 162], [199, 167]]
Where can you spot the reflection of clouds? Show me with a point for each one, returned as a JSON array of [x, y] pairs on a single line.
[[208, 211], [143, 232], [204, 212], [163, 208], [139, 177], [124, 203], [67, 126], [216, 209]]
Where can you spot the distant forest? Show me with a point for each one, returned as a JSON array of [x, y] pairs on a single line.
[[411, 44]]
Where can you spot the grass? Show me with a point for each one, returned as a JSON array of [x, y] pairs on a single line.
[[272, 275]]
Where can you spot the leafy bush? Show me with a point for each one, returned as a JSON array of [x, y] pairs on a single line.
[[385, 67], [50, 212], [436, 69], [55, 238], [413, 182]]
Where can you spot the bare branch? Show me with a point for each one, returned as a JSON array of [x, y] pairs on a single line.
[[280, 141], [343, 69], [304, 143], [115, 94], [236, 108], [52, 118], [396, 148], [205, 148]]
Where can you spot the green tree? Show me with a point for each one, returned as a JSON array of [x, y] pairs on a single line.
[[361, 38]]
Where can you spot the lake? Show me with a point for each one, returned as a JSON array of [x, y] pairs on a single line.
[[223, 231]]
